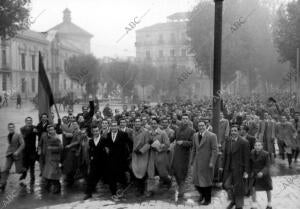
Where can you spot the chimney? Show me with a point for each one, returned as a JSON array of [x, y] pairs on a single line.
[[67, 16]]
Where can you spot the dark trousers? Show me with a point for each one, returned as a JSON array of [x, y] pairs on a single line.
[[205, 192], [141, 184], [92, 179], [29, 164], [55, 184], [229, 185], [113, 178], [281, 146], [10, 160], [295, 153]]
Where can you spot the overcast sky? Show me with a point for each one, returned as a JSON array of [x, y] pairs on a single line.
[[107, 19]]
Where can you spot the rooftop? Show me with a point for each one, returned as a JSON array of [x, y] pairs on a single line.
[[67, 27], [163, 26], [179, 16]]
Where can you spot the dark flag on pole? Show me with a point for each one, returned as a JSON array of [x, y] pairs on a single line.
[[45, 96]]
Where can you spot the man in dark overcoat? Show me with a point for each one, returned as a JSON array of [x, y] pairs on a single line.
[[116, 145], [235, 166], [181, 158], [98, 161], [29, 154]]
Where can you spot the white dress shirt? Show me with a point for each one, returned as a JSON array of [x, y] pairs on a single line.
[[96, 140], [113, 136]]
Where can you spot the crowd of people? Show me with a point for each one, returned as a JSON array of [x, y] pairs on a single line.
[[133, 146]]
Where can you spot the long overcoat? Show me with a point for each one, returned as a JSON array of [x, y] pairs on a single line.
[[235, 161], [159, 159], [204, 154], [53, 152], [181, 158], [139, 162], [260, 162], [224, 131], [267, 134], [285, 132], [71, 155]]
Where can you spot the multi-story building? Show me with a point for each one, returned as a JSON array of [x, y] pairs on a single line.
[[19, 58], [166, 45]]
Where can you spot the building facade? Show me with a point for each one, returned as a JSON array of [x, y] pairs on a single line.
[[166, 45], [19, 58]]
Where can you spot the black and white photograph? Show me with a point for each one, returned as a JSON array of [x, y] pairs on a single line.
[[149, 104]]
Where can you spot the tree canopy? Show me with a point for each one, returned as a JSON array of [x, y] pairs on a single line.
[[247, 40], [14, 17], [287, 31], [85, 70], [122, 73]]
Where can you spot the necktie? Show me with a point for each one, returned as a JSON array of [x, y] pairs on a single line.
[[200, 138], [114, 136]]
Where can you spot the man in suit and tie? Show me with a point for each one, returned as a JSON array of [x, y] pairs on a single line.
[[13, 155], [235, 167], [204, 156], [98, 161], [116, 145]]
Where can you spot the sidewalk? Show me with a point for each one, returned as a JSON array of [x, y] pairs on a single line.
[[285, 196]]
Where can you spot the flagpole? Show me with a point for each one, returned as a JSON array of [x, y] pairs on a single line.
[[56, 110], [47, 83]]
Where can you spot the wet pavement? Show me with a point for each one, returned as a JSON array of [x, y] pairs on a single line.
[[286, 183]]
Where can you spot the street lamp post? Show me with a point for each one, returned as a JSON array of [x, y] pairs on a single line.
[[217, 66]]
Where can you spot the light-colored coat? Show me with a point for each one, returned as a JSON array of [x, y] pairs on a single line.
[[204, 156], [171, 135], [266, 134], [139, 162], [224, 131], [16, 145], [53, 151], [159, 159]]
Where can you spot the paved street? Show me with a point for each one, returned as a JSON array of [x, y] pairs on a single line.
[[286, 183]]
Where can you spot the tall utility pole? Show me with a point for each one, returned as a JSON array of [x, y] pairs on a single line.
[[217, 66], [298, 77]]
